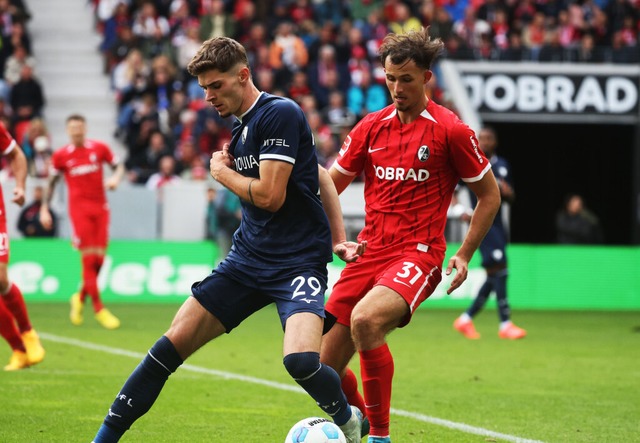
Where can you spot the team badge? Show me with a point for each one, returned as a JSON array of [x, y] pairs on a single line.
[[423, 153], [92, 158], [244, 134]]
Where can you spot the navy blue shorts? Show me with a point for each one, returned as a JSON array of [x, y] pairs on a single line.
[[493, 248], [233, 291]]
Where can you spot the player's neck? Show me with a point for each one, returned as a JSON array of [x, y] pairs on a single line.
[[412, 114]]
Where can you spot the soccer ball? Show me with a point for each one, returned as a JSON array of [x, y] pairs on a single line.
[[315, 430]]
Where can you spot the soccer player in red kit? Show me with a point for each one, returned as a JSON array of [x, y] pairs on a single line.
[[15, 325], [412, 154], [81, 162]]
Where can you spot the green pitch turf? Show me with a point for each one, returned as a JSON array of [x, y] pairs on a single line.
[[575, 378]]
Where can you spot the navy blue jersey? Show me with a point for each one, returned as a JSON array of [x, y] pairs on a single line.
[[275, 128], [493, 246]]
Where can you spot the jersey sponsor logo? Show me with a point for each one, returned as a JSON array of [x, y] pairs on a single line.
[[246, 162], [83, 169], [476, 149], [372, 150], [423, 153], [275, 142], [401, 174]]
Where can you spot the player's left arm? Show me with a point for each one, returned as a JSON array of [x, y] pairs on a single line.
[[114, 180], [18, 165], [488, 194], [347, 251]]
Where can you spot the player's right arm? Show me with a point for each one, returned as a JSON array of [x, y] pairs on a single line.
[[347, 251], [45, 214]]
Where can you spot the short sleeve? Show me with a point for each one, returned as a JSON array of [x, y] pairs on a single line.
[[280, 129], [352, 156], [467, 157]]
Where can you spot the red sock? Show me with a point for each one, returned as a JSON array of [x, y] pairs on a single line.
[[14, 301], [377, 375], [90, 281], [8, 329], [350, 389]]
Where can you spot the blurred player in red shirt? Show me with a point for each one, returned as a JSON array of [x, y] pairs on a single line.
[[15, 326], [80, 162], [412, 154]]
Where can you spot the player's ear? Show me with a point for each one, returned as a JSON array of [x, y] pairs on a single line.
[[244, 75], [427, 76]]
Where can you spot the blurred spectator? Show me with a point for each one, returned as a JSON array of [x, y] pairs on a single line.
[[403, 21], [575, 224], [299, 86], [40, 165], [367, 96], [228, 213], [287, 54], [29, 219], [36, 128], [16, 61], [552, 50], [116, 25], [26, 97], [442, 24], [533, 34], [336, 114], [516, 51], [623, 53], [166, 174], [216, 22], [152, 29], [145, 161], [587, 52], [470, 29]]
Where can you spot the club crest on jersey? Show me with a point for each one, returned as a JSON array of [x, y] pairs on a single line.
[[245, 131], [423, 153], [92, 157]]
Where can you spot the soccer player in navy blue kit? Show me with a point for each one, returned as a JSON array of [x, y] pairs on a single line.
[[279, 253], [493, 252]]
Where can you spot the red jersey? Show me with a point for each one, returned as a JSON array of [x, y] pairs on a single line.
[[82, 169], [410, 173], [7, 144]]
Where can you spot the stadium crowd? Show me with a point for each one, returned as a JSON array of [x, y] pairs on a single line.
[[322, 54]]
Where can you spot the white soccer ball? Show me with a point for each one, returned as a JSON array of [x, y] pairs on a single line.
[[315, 430]]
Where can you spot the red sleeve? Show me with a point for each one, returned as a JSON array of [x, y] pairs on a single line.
[[7, 143], [467, 157], [353, 153]]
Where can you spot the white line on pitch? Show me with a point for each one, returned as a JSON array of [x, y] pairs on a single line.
[[285, 387]]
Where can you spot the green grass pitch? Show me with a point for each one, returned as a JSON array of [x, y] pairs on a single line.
[[575, 378]]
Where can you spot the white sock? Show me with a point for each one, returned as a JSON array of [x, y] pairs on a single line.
[[465, 317], [505, 324]]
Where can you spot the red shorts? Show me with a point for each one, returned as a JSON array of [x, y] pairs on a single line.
[[413, 275], [90, 228]]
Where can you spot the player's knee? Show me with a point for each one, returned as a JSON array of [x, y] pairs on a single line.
[[301, 365]]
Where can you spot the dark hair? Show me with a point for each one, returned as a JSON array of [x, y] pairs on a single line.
[[414, 45], [76, 117], [220, 53]]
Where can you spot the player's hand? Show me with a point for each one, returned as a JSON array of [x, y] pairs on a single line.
[[111, 183], [220, 160], [462, 269], [45, 218], [349, 251], [18, 196]]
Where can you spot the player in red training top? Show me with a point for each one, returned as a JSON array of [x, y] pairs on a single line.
[[81, 163], [412, 153], [15, 325]]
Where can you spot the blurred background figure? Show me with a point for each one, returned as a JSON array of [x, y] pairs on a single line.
[[493, 250], [29, 220], [575, 224]]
